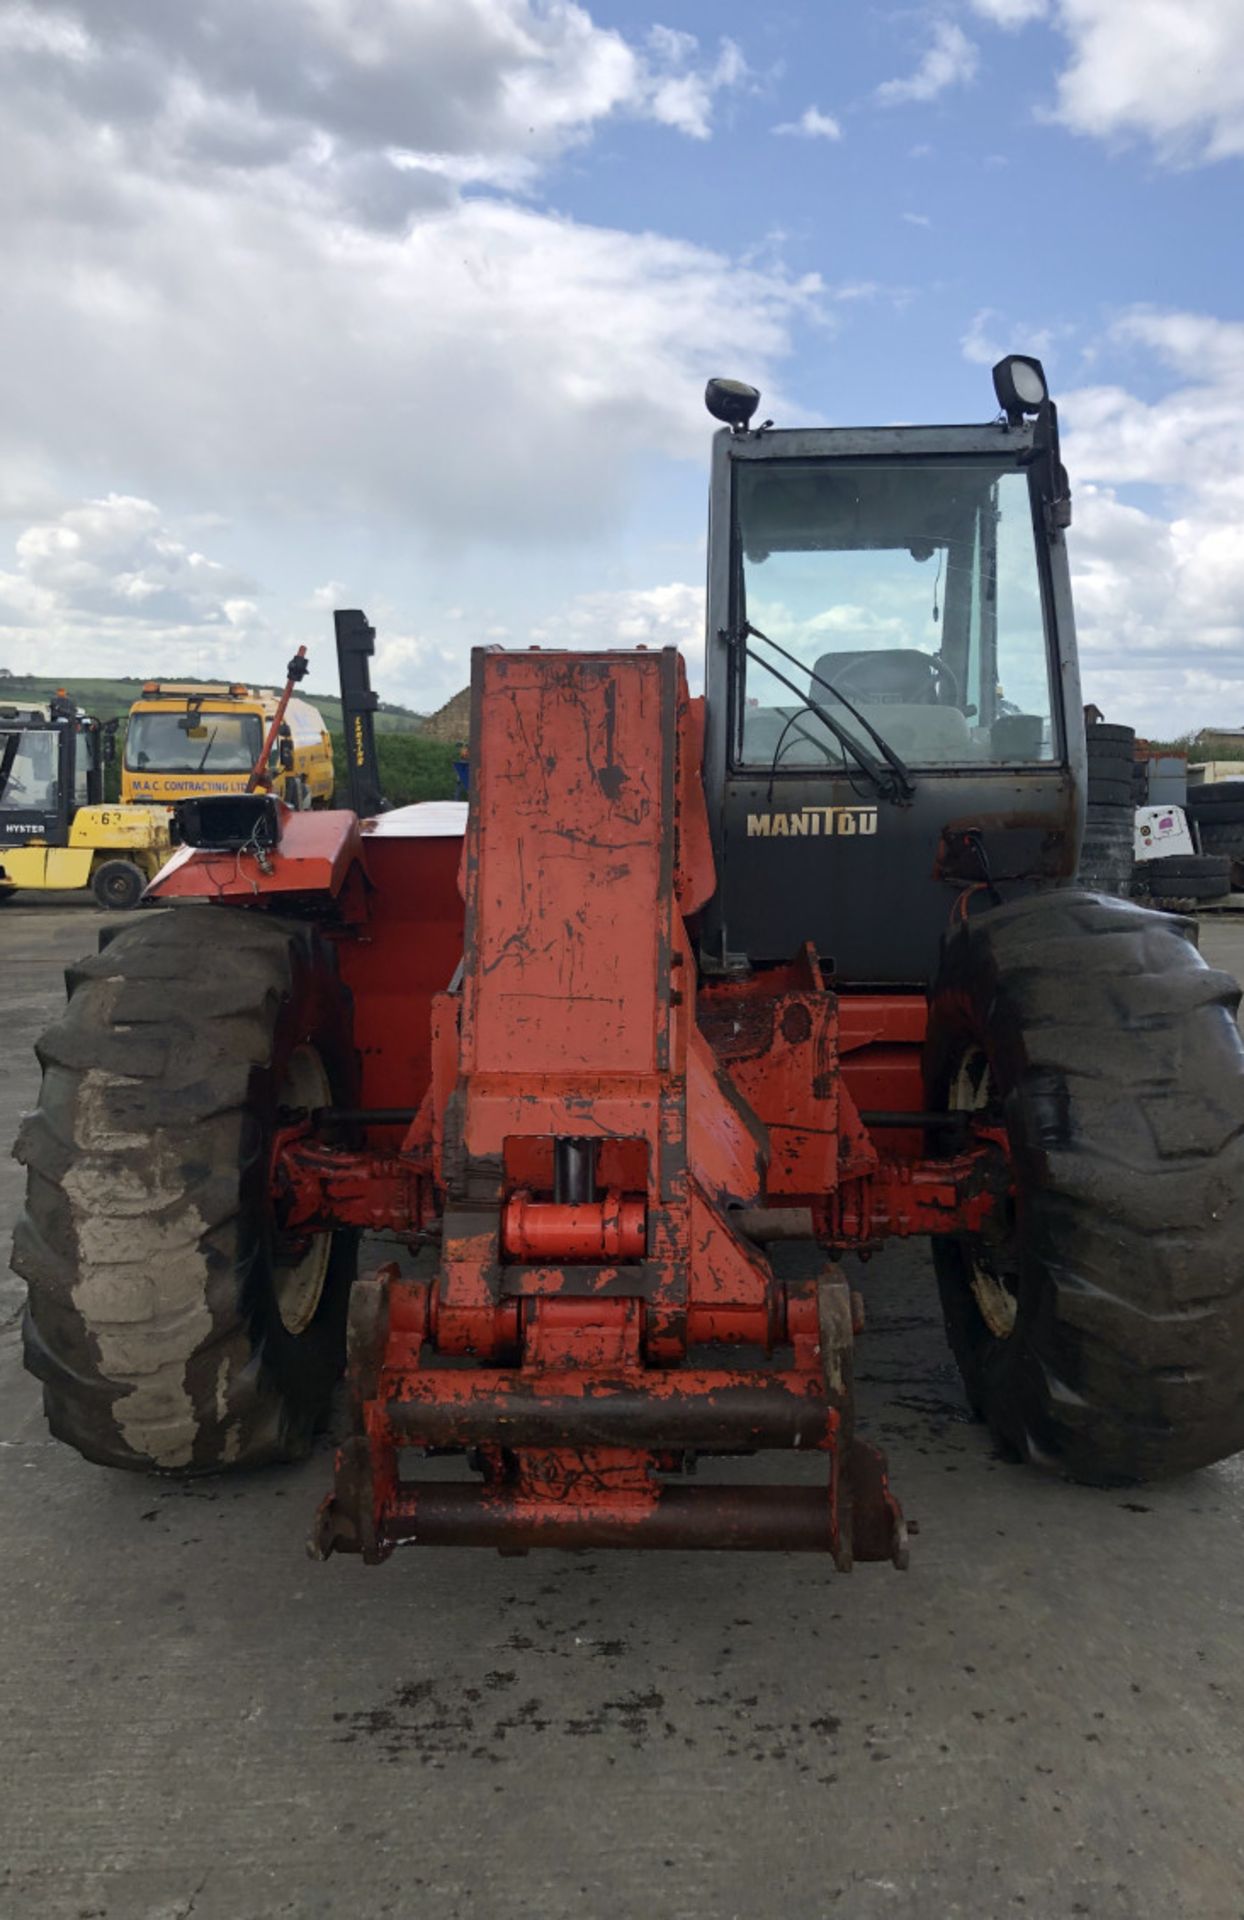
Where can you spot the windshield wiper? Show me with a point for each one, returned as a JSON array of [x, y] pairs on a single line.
[[207, 749], [883, 782], [896, 784]]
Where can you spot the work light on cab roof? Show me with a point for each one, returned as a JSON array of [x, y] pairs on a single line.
[[1020, 384], [732, 402]]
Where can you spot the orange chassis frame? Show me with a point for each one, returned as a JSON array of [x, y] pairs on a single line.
[[600, 1151]]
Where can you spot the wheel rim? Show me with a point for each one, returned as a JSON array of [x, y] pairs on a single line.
[[119, 889], [299, 1272], [972, 1091]]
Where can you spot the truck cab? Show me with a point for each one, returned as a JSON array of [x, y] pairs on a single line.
[[189, 738]]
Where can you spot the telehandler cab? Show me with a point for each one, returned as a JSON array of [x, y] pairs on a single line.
[[801, 959]]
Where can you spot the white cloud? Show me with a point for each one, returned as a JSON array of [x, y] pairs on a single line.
[[979, 344], [849, 290], [1157, 548], [812, 124], [1010, 13], [682, 95], [1160, 594], [423, 669], [986, 340], [665, 616], [950, 60], [1169, 70], [111, 576], [1158, 611], [1190, 437], [25, 29], [417, 670], [254, 312], [228, 81], [266, 252], [918, 219]]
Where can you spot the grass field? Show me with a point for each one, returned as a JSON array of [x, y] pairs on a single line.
[[410, 769]]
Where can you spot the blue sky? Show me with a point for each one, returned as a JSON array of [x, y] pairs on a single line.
[[409, 304]]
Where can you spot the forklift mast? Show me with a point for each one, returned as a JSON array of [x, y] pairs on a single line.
[[356, 643]]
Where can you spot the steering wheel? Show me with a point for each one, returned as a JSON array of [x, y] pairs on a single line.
[[877, 679]]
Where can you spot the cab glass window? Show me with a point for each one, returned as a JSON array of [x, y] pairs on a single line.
[[909, 591], [195, 742], [32, 784]]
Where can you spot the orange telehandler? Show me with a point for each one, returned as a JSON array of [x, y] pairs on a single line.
[[799, 959]]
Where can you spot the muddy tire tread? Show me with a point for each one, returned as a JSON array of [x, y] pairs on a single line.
[[1124, 1100], [140, 1252]]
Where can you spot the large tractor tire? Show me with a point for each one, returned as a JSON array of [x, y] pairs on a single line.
[[171, 1324], [1100, 1331]]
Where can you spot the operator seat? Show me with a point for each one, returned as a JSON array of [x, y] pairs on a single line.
[[901, 691]]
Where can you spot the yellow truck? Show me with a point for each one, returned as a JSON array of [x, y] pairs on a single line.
[[56, 830], [186, 738]]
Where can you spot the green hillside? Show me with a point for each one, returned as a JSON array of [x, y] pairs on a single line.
[[411, 768], [112, 699]]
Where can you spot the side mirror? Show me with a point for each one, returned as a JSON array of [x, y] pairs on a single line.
[[285, 756]]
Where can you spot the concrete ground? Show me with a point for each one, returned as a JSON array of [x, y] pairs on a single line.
[[1042, 1718]]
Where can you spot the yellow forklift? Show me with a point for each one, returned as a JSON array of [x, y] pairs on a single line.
[[56, 830]]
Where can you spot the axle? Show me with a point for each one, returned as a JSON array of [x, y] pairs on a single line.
[[318, 1188]]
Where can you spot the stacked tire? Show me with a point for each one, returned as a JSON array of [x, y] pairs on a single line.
[[1186, 879], [1106, 856], [1218, 810]]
